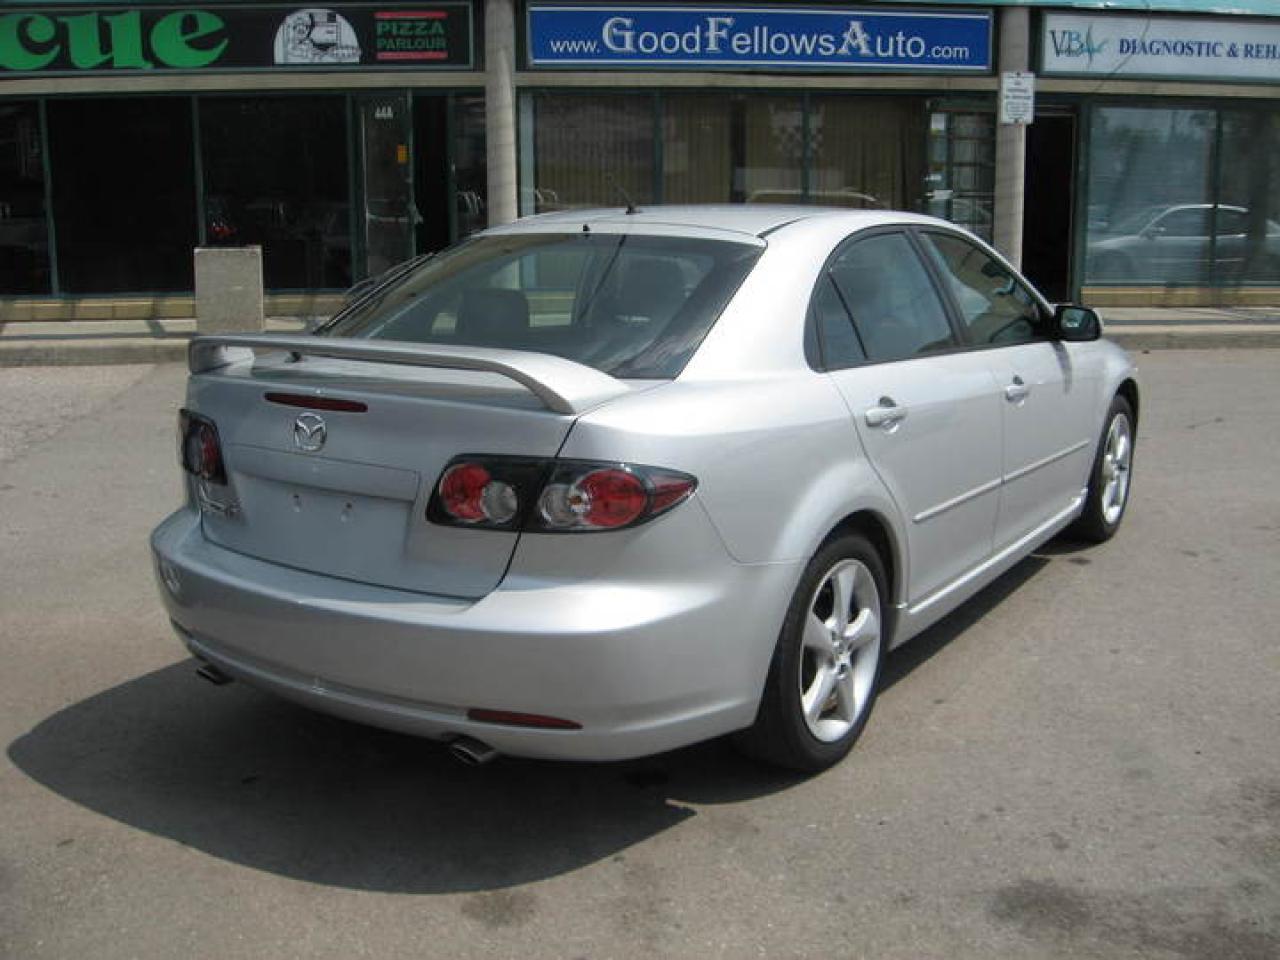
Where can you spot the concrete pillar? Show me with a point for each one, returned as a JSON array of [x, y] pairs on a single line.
[[228, 290], [500, 109], [1011, 139]]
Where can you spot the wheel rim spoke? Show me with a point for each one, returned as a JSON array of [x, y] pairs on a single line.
[[815, 698], [817, 637], [842, 587], [846, 701], [864, 629]]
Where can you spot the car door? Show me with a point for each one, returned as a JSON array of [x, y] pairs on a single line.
[[1047, 391], [928, 415], [1180, 245]]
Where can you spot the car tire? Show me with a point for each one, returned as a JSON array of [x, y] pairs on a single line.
[[1111, 476], [825, 671]]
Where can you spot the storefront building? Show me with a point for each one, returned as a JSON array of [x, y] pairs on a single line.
[[348, 137]]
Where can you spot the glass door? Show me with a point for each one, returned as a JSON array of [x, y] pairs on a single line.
[[960, 185], [389, 213]]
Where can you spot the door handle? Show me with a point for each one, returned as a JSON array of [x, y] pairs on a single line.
[[1017, 391], [887, 414]]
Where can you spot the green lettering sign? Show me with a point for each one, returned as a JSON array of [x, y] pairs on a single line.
[[15, 42], [84, 41], [173, 36]]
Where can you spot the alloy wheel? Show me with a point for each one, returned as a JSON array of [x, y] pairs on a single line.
[[841, 650]]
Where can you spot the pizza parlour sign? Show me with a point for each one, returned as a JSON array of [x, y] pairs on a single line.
[[74, 40]]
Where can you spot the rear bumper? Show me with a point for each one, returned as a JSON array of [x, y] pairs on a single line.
[[673, 652]]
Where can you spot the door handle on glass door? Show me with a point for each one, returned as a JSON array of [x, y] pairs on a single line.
[[887, 414], [1016, 391]]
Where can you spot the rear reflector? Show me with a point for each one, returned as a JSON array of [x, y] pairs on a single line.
[[317, 403], [511, 719]]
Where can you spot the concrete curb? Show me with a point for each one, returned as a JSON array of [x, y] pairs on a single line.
[[92, 351], [1205, 337]]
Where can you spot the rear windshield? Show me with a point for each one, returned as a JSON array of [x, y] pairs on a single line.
[[632, 306]]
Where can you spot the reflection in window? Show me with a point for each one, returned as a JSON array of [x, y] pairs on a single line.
[[1247, 247], [960, 184], [722, 148], [866, 152], [994, 306], [470, 166], [768, 157], [894, 304], [592, 150], [275, 171], [124, 194], [1149, 192], [840, 344], [24, 235], [632, 306], [697, 152]]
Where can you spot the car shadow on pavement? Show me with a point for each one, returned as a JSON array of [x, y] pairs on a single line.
[[257, 781], [921, 648]]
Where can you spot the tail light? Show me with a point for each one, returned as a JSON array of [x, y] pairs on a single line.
[[553, 496], [201, 450]]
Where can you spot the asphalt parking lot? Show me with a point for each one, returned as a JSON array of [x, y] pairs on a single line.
[[1082, 763]]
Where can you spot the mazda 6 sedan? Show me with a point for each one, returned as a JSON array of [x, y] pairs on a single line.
[[599, 484]]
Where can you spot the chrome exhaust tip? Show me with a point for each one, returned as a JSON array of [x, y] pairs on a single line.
[[470, 751], [207, 671]]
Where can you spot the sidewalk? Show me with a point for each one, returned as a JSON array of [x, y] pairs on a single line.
[[34, 343]]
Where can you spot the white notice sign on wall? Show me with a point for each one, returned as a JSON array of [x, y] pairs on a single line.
[[1017, 97]]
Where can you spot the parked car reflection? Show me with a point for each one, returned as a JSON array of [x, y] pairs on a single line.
[[1171, 244]]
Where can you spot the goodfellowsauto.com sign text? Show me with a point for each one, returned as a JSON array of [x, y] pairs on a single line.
[[719, 37], [1104, 46], [45, 40]]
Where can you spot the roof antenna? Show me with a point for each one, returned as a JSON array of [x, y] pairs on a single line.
[[631, 207]]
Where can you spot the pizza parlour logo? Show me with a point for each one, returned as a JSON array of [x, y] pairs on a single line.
[[315, 35]]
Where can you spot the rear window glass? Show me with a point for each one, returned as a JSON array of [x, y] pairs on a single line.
[[632, 306]]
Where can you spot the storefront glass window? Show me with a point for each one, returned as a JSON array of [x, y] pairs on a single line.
[[276, 174], [723, 148], [697, 151], [24, 235], [1150, 194], [592, 150], [960, 183], [124, 195], [470, 166], [867, 152], [768, 161], [1247, 227]]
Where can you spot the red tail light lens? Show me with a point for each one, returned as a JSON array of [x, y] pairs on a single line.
[[610, 498], [462, 491], [554, 496], [201, 449]]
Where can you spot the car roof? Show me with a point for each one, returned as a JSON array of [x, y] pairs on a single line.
[[755, 220]]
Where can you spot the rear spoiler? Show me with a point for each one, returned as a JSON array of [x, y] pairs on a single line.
[[562, 385]]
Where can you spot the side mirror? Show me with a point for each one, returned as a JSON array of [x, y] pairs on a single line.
[[1154, 231], [1076, 324]]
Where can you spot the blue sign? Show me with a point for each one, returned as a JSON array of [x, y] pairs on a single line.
[[716, 37]]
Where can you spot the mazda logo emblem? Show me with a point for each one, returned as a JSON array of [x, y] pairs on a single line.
[[309, 432]]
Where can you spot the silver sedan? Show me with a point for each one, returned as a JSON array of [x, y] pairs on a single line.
[[600, 484]]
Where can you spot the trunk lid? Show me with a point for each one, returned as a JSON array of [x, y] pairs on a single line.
[[344, 493]]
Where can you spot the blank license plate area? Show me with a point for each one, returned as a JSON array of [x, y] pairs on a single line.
[[354, 536]]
